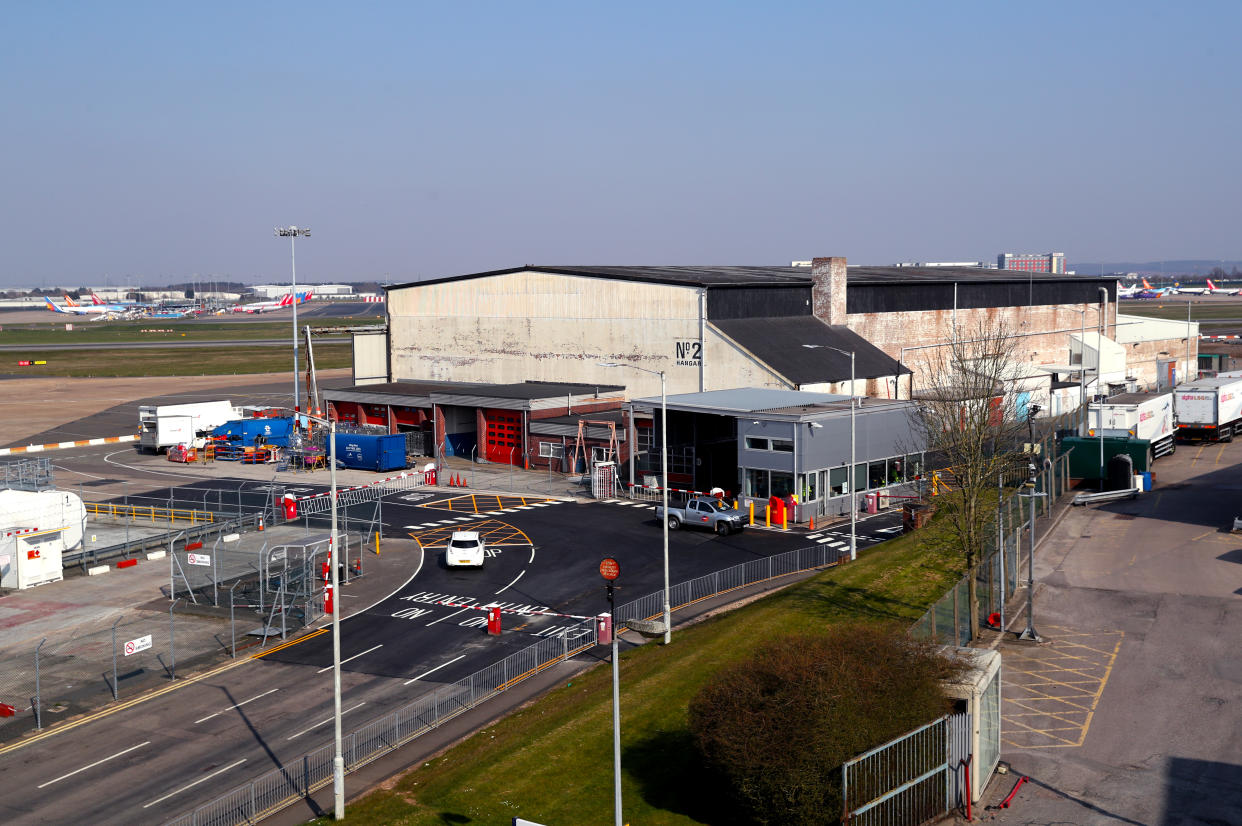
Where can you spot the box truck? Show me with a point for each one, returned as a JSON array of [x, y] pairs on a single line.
[[36, 528], [1147, 416], [160, 426], [1209, 409]]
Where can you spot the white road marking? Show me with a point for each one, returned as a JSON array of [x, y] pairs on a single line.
[[195, 783], [96, 763], [329, 720], [515, 579], [494, 513], [437, 668], [532, 555], [108, 459], [825, 539], [235, 705], [450, 616], [347, 659], [539, 504], [814, 535], [521, 508]]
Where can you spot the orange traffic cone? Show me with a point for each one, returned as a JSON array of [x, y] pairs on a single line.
[[452, 481], [463, 482], [812, 524]]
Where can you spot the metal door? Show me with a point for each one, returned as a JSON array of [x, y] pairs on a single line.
[[503, 440]]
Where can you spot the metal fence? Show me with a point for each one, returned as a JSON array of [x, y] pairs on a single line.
[[26, 474], [911, 779], [999, 573], [206, 533], [283, 786]]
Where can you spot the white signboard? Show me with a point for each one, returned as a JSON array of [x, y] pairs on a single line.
[[140, 644], [199, 559]]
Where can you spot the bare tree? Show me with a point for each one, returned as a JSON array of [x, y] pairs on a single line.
[[968, 416]]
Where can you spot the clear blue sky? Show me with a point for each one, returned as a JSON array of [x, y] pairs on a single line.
[[153, 141]]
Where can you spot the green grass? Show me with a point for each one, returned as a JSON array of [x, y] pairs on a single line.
[[168, 361], [1176, 310], [551, 762], [86, 331]]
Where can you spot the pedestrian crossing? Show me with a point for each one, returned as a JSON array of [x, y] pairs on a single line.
[[470, 517]]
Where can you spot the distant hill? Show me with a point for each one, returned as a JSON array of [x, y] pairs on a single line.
[[1169, 269]]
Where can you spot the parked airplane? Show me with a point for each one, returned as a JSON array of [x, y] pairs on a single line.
[[268, 306], [1221, 290], [119, 306], [1131, 291], [73, 308], [1151, 292], [1208, 290]]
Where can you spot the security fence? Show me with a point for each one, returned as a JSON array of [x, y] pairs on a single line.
[[296, 779], [26, 474], [998, 575]]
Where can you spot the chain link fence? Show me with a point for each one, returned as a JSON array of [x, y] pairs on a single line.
[[998, 575]]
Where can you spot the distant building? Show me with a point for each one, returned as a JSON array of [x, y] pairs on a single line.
[[982, 265], [280, 290], [1053, 262]]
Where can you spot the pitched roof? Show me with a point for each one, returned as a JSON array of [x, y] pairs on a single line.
[[800, 349]]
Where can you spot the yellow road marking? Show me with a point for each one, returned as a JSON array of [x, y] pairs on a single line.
[[1220, 453], [1199, 453], [283, 646]]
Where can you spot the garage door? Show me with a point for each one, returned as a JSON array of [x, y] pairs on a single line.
[[504, 436]]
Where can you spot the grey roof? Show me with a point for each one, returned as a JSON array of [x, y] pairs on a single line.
[[761, 276], [779, 343], [743, 399], [517, 390]]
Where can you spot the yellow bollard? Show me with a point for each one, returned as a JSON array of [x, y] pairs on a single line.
[[767, 516], [377, 545], [752, 512], [785, 519]]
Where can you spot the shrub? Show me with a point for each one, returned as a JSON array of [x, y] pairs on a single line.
[[776, 728]]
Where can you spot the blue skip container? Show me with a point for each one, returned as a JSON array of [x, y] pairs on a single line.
[[364, 451], [245, 432]]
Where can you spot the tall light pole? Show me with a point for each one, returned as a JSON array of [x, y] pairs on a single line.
[[668, 611], [1029, 632], [853, 459], [292, 234]]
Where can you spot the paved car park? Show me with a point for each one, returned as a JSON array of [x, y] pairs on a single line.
[[1126, 713]]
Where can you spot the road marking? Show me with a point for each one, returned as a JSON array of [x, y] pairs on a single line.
[[437, 668], [493, 513], [347, 659], [283, 646], [814, 535], [511, 584], [235, 705], [195, 783], [450, 616], [522, 508], [329, 720], [532, 555], [96, 763]]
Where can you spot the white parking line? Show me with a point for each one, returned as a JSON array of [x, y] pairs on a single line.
[[235, 705], [539, 504], [521, 508], [515, 579], [437, 668], [96, 763], [325, 722], [494, 513], [195, 783], [347, 659]]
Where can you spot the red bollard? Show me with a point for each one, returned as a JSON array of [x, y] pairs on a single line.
[[603, 629], [493, 621]]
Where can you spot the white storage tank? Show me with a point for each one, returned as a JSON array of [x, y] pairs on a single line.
[[36, 528]]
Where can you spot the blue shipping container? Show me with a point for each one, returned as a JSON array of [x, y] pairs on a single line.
[[275, 432], [364, 451]]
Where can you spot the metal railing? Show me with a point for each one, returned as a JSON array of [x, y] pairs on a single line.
[[910, 779], [149, 513], [165, 541], [26, 474], [296, 779]]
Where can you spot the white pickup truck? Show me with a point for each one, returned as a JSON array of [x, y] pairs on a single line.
[[703, 512]]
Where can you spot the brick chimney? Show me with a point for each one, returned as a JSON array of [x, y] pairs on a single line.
[[828, 289]]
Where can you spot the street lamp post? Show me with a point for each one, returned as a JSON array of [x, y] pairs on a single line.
[[1029, 632], [292, 233], [850, 477], [668, 611]]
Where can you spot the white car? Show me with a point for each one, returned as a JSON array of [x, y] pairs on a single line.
[[465, 550]]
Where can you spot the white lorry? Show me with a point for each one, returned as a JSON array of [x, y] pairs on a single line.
[[1209, 409], [36, 528], [160, 426], [1137, 416]]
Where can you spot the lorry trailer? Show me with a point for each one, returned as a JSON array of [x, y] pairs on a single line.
[[160, 426], [1147, 416], [1209, 409]]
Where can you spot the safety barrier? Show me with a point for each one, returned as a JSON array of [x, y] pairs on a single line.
[[149, 513]]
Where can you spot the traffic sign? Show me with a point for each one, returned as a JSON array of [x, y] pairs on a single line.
[[609, 569], [199, 559], [140, 644]]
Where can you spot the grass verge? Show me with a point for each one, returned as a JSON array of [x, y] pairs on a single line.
[[551, 762], [86, 331], [170, 361]]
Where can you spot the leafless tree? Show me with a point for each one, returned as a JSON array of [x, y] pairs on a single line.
[[967, 414]]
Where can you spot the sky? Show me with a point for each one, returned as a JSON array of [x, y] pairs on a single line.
[[145, 143]]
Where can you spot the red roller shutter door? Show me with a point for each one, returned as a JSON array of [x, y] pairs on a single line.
[[504, 435]]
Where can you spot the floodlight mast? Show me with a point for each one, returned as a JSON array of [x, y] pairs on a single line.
[[293, 233]]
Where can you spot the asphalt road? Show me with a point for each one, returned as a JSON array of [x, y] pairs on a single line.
[[178, 750], [157, 345]]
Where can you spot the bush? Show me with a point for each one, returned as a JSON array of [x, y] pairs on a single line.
[[777, 727]]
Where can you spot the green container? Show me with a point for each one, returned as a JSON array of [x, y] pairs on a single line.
[[1084, 454]]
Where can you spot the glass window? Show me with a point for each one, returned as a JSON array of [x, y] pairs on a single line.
[[895, 467], [782, 483], [836, 481], [914, 466], [757, 483], [551, 450], [809, 488], [876, 477], [756, 443], [782, 445], [860, 477]]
